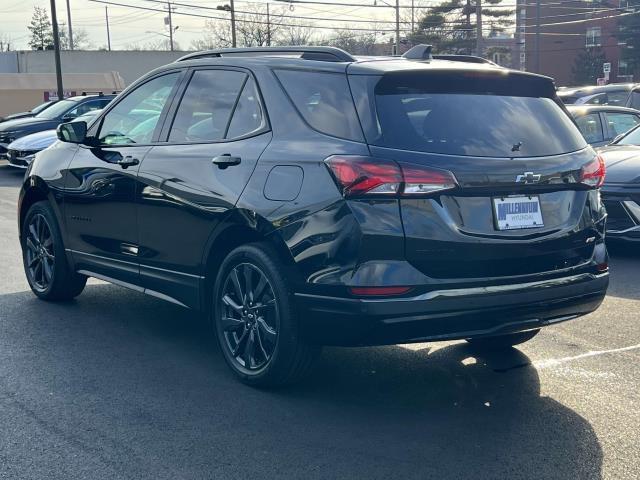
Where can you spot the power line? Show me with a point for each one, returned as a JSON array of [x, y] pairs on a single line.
[[105, 2]]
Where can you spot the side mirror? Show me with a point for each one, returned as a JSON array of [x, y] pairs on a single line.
[[73, 132]]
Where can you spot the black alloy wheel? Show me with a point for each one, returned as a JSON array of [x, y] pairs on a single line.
[[40, 254], [250, 317]]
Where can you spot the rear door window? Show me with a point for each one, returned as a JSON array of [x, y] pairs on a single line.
[[324, 101], [492, 117], [206, 106], [591, 127]]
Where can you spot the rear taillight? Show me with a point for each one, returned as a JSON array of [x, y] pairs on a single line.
[[593, 173], [357, 176]]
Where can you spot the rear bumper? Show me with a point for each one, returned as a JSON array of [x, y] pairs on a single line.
[[450, 314]]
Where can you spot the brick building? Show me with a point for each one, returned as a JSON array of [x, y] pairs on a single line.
[[579, 26]]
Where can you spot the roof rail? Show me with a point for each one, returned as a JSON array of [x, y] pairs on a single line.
[[419, 52], [325, 54], [464, 58]]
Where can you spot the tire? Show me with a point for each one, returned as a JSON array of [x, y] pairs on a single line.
[[501, 342], [41, 242], [266, 349]]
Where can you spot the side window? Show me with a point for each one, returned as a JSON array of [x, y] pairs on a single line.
[[618, 98], [247, 117], [324, 101], [206, 106], [591, 127], [84, 108], [620, 122], [134, 119], [635, 99]]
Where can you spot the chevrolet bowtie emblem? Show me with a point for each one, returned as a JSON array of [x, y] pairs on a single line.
[[528, 177]]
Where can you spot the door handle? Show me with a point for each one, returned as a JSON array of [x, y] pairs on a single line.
[[226, 160], [128, 161]]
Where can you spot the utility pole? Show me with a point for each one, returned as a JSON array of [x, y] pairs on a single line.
[[268, 27], [468, 15], [397, 52], [170, 27], [479, 46], [233, 24], [413, 30], [70, 29], [106, 17], [537, 36], [56, 49]]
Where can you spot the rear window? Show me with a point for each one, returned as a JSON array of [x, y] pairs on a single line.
[[324, 101], [492, 117]]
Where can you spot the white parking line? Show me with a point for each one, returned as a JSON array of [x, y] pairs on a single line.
[[557, 361]]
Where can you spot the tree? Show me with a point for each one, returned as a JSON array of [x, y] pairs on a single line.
[[356, 44], [80, 38], [252, 30], [587, 66], [5, 43], [629, 33], [40, 30], [451, 26]]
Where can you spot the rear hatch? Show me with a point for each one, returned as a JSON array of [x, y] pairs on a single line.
[[514, 204]]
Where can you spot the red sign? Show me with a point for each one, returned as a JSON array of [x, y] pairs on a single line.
[[53, 95]]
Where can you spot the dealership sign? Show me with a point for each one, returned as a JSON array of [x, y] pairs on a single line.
[[53, 95]]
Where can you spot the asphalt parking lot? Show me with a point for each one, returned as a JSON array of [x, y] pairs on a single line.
[[120, 385]]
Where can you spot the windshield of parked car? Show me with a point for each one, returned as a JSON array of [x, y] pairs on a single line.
[[56, 110], [477, 117], [631, 138], [43, 106]]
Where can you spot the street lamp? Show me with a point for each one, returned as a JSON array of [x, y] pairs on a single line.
[[231, 9], [166, 35]]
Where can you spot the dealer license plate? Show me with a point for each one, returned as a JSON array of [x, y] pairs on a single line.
[[514, 213]]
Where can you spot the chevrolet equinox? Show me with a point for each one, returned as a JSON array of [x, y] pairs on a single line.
[[303, 197]]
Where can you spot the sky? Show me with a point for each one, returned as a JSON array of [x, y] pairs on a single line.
[[137, 27]]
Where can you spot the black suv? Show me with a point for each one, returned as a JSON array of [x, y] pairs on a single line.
[[303, 197], [49, 118]]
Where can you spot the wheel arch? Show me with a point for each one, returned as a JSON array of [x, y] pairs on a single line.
[[240, 228], [36, 190]]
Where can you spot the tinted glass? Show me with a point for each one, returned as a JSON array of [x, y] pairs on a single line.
[[247, 117], [206, 106], [403, 112], [134, 119], [635, 100], [618, 98], [591, 127], [620, 122], [41, 107], [56, 110], [85, 108], [324, 101]]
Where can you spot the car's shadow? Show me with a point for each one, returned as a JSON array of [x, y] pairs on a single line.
[[129, 386]]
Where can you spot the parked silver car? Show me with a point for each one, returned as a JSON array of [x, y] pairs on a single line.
[[22, 151]]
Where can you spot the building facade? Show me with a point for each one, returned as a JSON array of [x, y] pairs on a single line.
[[575, 40]]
